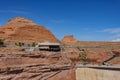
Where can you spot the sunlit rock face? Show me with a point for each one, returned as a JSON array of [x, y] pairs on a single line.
[[25, 30]]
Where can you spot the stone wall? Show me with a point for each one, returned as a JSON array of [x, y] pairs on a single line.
[[96, 74]]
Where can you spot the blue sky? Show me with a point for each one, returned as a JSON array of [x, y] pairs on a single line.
[[87, 20]]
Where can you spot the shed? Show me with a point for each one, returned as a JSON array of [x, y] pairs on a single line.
[[46, 46]]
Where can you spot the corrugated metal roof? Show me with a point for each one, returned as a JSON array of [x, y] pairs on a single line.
[[47, 43]]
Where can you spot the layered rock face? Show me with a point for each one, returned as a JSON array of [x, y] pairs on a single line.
[[21, 29]]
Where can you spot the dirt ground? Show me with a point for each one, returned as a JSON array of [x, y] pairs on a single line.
[[16, 64]]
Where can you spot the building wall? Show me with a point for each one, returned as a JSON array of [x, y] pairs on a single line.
[[96, 74]]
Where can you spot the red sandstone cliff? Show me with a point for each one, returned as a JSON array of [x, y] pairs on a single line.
[[22, 29]]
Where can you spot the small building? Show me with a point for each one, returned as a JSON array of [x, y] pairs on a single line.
[[46, 46]]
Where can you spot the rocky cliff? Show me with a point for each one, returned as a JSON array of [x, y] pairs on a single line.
[[22, 29]]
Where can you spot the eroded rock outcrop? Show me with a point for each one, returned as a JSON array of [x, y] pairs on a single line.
[[69, 40], [22, 29]]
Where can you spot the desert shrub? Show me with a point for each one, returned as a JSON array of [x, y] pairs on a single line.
[[16, 44], [20, 44], [33, 44], [1, 42], [83, 57], [80, 49], [8, 69], [23, 44]]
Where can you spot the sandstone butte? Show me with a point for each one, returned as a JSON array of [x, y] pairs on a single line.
[[24, 30], [69, 39]]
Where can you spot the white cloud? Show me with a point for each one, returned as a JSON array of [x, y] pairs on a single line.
[[112, 30], [13, 11], [116, 40]]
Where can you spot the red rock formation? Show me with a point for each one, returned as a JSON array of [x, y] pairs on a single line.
[[69, 40], [21, 29]]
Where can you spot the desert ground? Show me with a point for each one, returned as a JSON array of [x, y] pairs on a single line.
[[17, 64]]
